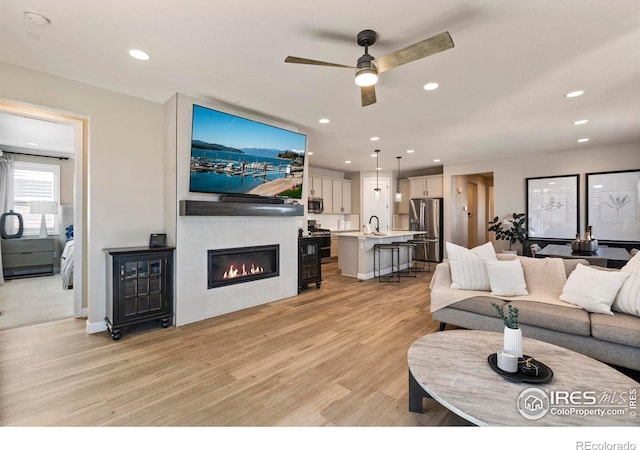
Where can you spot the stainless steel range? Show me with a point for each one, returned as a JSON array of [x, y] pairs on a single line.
[[324, 235]]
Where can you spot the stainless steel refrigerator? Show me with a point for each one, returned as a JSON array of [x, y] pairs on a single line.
[[425, 217]]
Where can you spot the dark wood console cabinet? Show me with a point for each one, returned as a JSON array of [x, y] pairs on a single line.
[[139, 287], [309, 262]]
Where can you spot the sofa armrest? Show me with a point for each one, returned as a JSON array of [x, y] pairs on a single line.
[[441, 276]]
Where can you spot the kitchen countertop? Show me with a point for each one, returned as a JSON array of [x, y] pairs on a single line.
[[382, 235]]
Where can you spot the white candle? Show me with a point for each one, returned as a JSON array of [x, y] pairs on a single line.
[[507, 361]]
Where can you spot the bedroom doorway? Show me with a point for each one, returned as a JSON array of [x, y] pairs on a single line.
[[48, 291]]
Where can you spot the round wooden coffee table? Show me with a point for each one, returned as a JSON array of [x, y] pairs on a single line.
[[452, 368]]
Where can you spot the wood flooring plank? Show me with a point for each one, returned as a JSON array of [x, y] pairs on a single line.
[[334, 356]]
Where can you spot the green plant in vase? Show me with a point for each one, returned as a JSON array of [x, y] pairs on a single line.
[[512, 331], [511, 318]]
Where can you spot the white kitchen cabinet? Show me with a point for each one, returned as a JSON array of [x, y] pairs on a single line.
[[315, 189], [427, 186], [327, 195], [341, 196]]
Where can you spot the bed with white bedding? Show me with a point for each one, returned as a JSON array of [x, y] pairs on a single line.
[[66, 265]]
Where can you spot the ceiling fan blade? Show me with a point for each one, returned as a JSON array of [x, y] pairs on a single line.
[[368, 94], [430, 46], [313, 62]]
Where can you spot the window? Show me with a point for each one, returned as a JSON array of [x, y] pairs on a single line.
[[35, 181]]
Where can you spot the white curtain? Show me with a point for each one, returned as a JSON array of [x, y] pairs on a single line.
[[6, 192]]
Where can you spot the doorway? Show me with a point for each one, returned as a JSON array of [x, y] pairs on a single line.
[[21, 287], [472, 214], [471, 201], [373, 205]]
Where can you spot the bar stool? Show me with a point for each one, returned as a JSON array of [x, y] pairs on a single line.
[[410, 246], [394, 252], [423, 256]]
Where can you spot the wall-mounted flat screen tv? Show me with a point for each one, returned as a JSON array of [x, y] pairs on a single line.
[[234, 155]]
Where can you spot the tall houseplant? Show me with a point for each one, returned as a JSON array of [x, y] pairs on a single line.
[[511, 230]]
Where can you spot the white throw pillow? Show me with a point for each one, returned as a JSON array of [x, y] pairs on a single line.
[[506, 278], [592, 289], [628, 299], [468, 268]]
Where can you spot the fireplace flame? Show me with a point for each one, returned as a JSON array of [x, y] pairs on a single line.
[[234, 272]]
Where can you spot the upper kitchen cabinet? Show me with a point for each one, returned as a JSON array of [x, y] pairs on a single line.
[[341, 196], [315, 189], [327, 195], [427, 186]]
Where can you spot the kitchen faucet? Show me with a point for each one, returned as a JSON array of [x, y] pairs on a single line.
[[377, 223]]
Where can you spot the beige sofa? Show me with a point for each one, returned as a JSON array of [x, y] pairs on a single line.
[[613, 339]]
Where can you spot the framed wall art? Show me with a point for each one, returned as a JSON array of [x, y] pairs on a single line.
[[553, 207], [613, 205]]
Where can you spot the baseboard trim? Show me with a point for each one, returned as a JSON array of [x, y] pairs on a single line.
[[96, 327]]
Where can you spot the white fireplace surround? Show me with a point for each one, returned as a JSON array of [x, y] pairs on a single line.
[[194, 235]]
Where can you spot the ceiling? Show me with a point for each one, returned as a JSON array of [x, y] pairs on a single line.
[[502, 87]]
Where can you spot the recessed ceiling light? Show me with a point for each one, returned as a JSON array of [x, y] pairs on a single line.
[[552, 182], [35, 144], [410, 150], [373, 155], [36, 18], [378, 168], [574, 94], [580, 122], [309, 153], [139, 54], [597, 186], [430, 86], [347, 162], [583, 140], [375, 138], [436, 160], [324, 120]]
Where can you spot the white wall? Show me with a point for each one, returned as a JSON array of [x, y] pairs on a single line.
[[509, 175], [124, 166]]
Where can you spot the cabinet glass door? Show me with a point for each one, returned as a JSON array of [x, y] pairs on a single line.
[[141, 286]]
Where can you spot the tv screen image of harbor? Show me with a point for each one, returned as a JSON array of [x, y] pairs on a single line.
[[231, 154]]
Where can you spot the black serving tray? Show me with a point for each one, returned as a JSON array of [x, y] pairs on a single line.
[[544, 372]]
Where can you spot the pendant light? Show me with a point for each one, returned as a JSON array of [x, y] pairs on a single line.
[[398, 192], [376, 191]]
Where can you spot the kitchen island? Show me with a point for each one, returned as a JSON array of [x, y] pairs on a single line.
[[355, 252]]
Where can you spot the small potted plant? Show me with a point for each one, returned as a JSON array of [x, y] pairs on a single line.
[[512, 331], [511, 230]]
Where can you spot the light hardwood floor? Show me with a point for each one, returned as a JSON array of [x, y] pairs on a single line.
[[334, 356]]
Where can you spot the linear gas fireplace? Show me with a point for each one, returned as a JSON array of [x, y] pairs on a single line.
[[239, 265]]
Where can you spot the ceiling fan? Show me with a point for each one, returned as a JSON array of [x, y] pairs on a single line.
[[368, 67]]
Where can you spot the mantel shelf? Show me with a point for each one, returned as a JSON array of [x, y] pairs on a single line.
[[216, 208]]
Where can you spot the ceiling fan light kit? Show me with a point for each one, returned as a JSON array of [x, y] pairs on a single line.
[[366, 77], [368, 68]]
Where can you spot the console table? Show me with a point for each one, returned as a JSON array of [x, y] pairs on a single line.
[[139, 287], [615, 257]]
